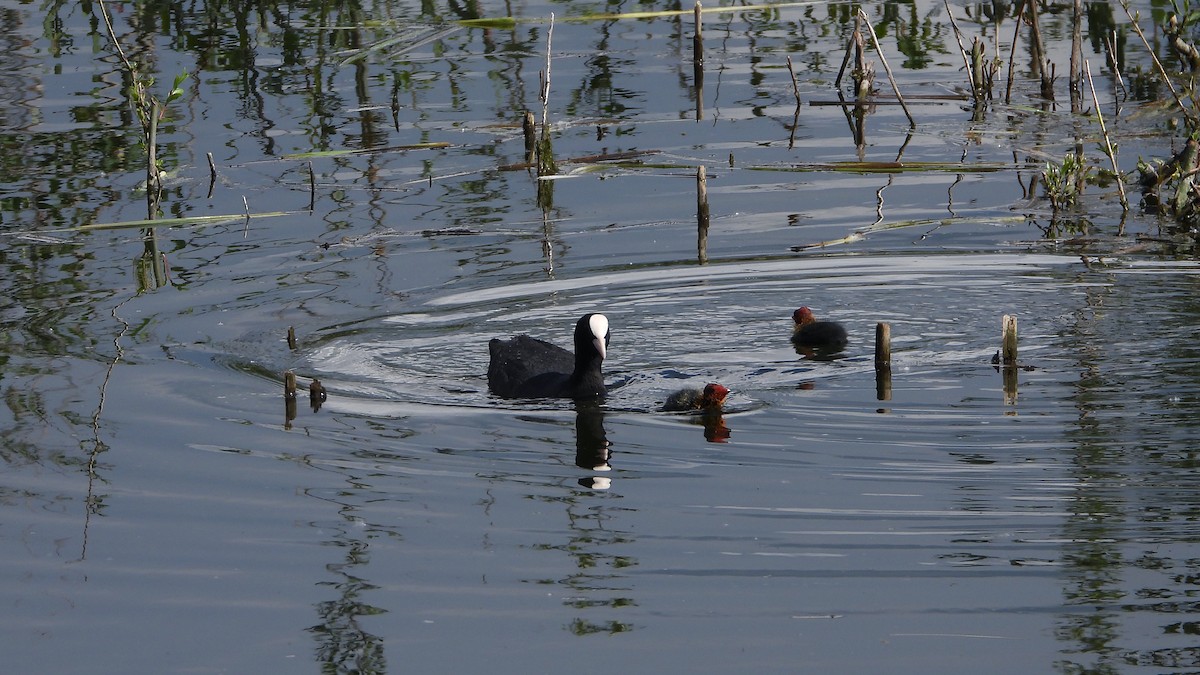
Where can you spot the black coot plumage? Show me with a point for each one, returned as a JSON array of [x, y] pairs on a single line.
[[823, 335], [525, 367]]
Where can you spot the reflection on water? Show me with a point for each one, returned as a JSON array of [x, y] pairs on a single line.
[[592, 448], [404, 512]]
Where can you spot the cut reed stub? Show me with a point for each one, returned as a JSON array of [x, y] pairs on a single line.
[[1008, 340], [291, 338], [883, 345]]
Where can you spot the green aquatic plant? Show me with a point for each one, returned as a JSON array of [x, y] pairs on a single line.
[[1063, 182]]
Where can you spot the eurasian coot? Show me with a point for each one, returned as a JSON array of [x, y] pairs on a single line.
[[526, 367], [711, 399], [823, 335]]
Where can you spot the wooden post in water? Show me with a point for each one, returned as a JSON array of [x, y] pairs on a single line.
[[291, 338], [702, 216], [883, 361]]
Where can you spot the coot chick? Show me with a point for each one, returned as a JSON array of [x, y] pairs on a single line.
[[823, 335], [709, 400], [526, 367]]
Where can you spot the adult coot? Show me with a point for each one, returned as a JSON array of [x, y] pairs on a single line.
[[823, 335], [709, 400], [526, 367]]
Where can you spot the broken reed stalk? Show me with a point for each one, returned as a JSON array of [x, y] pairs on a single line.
[[883, 345], [1012, 55], [544, 94], [961, 50], [864, 72], [1008, 341], [887, 69], [702, 214], [795, 85], [1108, 146]]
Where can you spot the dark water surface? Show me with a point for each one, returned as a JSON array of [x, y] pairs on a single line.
[[160, 513]]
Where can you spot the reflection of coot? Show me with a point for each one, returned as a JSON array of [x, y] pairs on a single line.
[[708, 403], [711, 398], [526, 367], [823, 335], [591, 443]]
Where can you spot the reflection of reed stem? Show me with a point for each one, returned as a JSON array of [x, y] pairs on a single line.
[[312, 188], [212, 174], [529, 126]]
